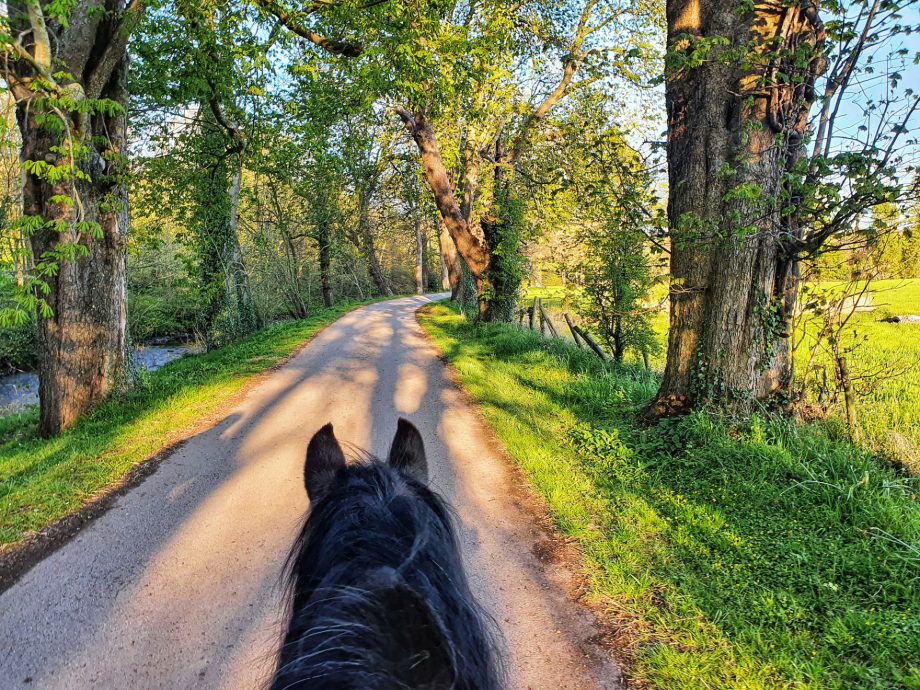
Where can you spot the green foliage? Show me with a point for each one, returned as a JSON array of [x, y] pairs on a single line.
[[610, 194], [616, 279], [506, 229], [761, 555], [18, 346], [209, 77]]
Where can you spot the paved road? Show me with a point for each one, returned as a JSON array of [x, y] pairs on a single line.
[[178, 585]]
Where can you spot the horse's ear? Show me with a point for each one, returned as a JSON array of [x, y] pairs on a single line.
[[407, 454], [324, 459]]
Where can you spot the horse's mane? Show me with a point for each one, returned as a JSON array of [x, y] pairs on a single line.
[[378, 596]]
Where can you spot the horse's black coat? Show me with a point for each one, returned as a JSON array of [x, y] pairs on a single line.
[[379, 600]]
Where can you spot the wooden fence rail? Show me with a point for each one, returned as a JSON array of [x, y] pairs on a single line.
[[537, 315]]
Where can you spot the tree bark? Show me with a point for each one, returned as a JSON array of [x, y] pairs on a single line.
[[733, 277], [473, 249], [245, 305], [230, 311], [373, 264], [83, 344], [419, 258], [325, 263], [451, 275]]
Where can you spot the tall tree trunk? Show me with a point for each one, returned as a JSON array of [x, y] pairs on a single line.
[[245, 305], [83, 344], [733, 278], [473, 249], [451, 275], [325, 263], [230, 311], [80, 237], [373, 264], [445, 278], [419, 258], [619, 340]]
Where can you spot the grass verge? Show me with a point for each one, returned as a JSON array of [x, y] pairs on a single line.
[[43, 480], [885, 364], [761, 555]]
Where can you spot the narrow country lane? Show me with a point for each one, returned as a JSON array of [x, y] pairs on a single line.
[[177, 586]]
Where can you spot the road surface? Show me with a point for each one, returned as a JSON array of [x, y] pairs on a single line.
[[177, 586]]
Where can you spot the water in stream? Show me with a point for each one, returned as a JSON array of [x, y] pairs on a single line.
[[20, 390]]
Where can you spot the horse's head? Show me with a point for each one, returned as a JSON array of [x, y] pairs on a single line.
[[325, 460], [378, 594]]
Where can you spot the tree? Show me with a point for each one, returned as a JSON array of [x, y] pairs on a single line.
[[65, 64], [605, 199], [200, 60], [508, 119], [746, 201]]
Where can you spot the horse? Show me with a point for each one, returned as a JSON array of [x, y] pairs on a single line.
[[378, 599]]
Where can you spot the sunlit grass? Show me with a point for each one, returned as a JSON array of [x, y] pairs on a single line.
[[42, 480], [768, 556], [889, 412]]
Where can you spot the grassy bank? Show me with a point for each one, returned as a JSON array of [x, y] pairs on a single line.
[[887, 353], [42, 480], [767, 556]]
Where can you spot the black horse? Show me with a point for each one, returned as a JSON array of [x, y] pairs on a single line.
[[378, 597]]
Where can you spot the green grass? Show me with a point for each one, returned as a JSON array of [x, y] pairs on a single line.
[[888, 411], [768, 556], [42, 480]]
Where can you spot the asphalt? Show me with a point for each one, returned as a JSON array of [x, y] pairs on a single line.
[[178, 585]]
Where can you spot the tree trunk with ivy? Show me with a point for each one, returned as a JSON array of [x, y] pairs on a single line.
[[74, 197], [735, 128], [230, 312]]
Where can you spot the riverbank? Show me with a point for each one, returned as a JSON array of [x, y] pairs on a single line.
[[19, 389]]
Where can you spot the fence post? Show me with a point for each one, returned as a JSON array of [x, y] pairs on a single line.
[[549, 323], [849, 399], [575, 336], [593, 345]]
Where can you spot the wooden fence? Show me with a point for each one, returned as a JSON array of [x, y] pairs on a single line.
[[536, 315]]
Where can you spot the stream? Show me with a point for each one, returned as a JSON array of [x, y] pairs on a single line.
[[20, 390]]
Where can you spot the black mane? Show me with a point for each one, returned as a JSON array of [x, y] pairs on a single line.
[[379, 600]]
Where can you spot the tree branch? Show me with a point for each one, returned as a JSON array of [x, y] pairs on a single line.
[[330, 45], [407, 118], [572, 62], [115, 50], [42, 50]]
